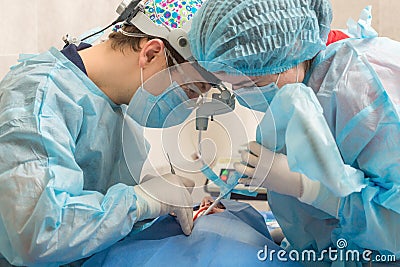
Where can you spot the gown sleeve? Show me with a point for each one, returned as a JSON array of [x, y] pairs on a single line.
[[46, 216]]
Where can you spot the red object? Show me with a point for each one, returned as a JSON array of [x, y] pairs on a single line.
[[336, 35], [199, 212]]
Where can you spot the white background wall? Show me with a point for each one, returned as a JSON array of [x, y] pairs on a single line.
[[31, 26], [385, 15]]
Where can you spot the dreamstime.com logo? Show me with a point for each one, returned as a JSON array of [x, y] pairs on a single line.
[[329, 254]]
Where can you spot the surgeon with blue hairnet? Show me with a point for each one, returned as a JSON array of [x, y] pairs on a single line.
[[66, 191], [328, 147]]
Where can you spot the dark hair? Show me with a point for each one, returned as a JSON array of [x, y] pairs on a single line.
[[122, 42]]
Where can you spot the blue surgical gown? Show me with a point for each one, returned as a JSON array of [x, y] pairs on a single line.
[[230, 238], [357, 83], [65, 191]]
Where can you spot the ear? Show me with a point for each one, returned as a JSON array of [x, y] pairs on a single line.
[[151, 51]]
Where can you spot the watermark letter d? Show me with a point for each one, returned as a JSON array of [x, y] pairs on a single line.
[[262, 254]]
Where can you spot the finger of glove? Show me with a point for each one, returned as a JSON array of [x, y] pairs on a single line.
[[188, 183], [249, 158], [255, 148], [178, 181], [169, 192], [273, 164], [243, 169], [185, 219], [147, 177]]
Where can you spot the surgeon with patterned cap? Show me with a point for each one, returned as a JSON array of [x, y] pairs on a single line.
[[328, 147], [66, 191]]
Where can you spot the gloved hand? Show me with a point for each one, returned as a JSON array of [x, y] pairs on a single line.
[[170, 193], [270, 170]]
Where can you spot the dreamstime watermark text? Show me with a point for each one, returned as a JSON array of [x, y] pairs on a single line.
[[330, 254]]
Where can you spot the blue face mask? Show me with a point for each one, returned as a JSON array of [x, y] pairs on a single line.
[[256, 98], [165, 110]]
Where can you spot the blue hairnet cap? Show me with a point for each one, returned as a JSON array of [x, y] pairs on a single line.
[[258, 37]]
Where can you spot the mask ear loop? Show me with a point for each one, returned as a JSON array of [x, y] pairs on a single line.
[[142, 35], [141, 77], [297, 75], [277, 79]]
